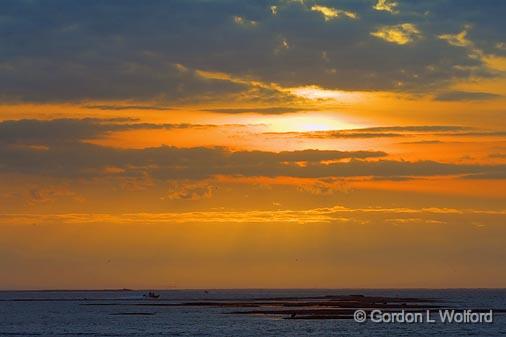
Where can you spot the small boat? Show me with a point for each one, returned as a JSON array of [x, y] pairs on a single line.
[[151, 295]]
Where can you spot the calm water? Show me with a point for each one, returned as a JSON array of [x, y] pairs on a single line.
[[63, 314]]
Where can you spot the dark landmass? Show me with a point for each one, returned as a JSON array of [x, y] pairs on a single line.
[[319, 307]]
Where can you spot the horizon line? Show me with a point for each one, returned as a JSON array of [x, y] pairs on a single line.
[[221, 289]]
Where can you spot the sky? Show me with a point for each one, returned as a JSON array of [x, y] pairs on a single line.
[[252, 144]]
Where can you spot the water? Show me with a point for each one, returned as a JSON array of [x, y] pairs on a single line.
[[64, 314]]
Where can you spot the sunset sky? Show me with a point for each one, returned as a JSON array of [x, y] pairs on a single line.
[[252, 144]]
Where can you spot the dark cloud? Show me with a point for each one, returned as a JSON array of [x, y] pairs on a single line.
[[150, 50], [465, 96], [498, 155], [421, 142], [500, 173], [374, 132], [261, 111], [302, 156], [415, 128], [128, 107], [336, 134], [66, 156], [34, 131], [477, 134], [165, 162], [62, 80], [170, 163]]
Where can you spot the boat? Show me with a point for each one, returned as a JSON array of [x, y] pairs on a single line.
[[151, 295]]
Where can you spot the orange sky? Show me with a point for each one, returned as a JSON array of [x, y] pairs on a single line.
[[161, 172]]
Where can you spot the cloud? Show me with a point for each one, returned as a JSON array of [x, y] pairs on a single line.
[[458, 40], [403, 33], [330, 13], [47, 194], [498, 155], [241, 21], [375, 132], [52, 132], [190, 190], [500, 173], [421, 142], [261, 111], [101, 56], [170, 163], [125, 79], [335, 134], [334, 214], [395, 132], [500, 45], [60, 151], [386, 5], [315, 92], [128, 107], [465, 96], [477, 134], [324, 187], [414, 128]]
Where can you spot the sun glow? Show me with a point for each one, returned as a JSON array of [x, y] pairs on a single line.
[[307, 123], [314, 92]]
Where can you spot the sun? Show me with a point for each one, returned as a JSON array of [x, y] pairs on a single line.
[[308, 123]]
